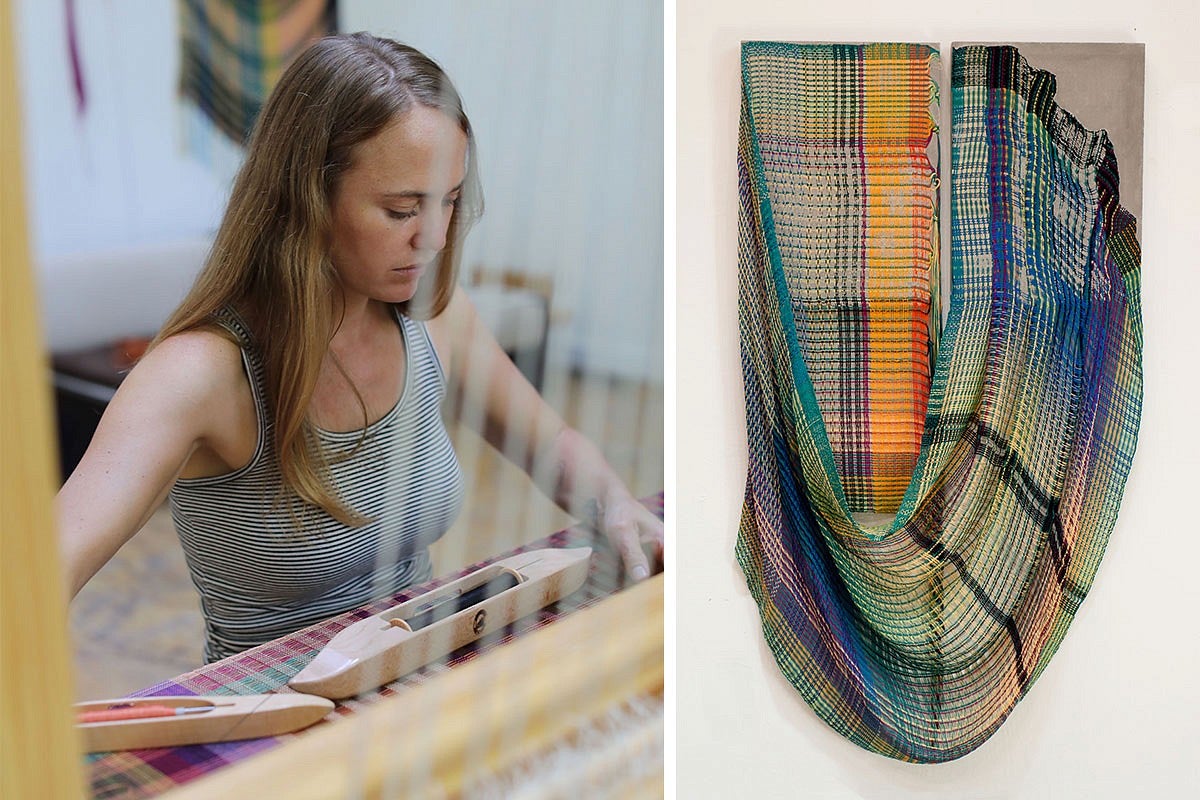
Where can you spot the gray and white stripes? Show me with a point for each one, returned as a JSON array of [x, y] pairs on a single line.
[[266, 565]]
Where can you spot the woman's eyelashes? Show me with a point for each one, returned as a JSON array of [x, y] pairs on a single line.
[[409, 213]]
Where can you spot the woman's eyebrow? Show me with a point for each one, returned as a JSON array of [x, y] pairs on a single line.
[[412, 194]]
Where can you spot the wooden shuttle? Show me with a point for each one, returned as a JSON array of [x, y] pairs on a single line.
[[383, 647]]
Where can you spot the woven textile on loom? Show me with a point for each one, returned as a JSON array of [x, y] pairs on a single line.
[[233, 52], [1002, 448]]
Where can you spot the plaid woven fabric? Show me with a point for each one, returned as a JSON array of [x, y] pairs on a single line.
[[268, 668], [233, 52], [915, 638], [839, 134]]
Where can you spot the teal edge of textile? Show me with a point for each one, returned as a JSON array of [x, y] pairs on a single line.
[[915, 639]]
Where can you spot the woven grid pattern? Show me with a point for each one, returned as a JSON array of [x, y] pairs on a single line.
[[233, 52], [268, 668], [852, 195], [916, 638]]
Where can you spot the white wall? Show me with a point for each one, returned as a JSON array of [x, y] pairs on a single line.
[[566, 97], [566, 101], [119, 213], [1115, 714], [116, 176]]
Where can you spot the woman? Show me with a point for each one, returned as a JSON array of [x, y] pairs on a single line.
[[290, 405]]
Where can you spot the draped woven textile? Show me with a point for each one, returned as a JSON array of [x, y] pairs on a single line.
[[233, 52], [1002, 448]]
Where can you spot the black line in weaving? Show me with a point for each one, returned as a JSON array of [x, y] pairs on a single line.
[[1032, 499], [946, 555]]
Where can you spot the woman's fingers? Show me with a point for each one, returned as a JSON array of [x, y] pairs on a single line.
[[638, 537], [622, 531], [652, 540]]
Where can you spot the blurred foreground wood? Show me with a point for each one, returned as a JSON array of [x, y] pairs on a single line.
[[38, 746]]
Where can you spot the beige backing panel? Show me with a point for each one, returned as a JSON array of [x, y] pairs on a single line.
[[1103, 85]]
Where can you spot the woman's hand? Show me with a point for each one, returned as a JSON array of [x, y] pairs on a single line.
[[635, 533], [518, 422]]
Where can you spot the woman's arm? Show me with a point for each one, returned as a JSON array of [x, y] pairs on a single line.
[[495, 397], [177, 399]]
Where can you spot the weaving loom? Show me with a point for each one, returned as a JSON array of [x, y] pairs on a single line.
[[1001, 445], [146, 773], [611, 658]]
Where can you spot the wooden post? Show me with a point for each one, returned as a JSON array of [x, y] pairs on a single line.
[[38, 745]]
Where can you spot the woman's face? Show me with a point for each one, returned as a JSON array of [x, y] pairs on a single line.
[[392, 207]]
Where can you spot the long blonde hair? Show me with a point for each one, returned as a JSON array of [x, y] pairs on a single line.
[[270, 259]]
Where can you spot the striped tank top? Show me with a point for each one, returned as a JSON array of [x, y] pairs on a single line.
[[266, 566]]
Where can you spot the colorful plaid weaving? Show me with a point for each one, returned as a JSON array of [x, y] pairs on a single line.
[[233, 52], [846, 175], [915, 638], [267, 668]]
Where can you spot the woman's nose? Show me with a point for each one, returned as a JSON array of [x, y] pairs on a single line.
[[431, 233]]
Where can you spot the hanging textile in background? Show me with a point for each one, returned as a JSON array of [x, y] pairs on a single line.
[[233, 51], [916, 637], [77, 82]]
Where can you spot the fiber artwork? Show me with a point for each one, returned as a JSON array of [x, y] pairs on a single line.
[[233, 52], [1001, 443]]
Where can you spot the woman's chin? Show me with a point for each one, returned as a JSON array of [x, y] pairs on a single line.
[[404, 284]]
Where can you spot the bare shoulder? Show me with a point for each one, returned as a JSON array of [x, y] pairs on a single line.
[[459, 308], [191, 388], [199, 365], [192, 382]]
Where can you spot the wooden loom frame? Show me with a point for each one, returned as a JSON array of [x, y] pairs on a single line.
[[494, 711]]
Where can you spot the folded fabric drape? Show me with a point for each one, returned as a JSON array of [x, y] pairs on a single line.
[[1001, 443]]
